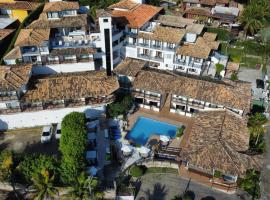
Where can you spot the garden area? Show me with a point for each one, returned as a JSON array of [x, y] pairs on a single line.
[[48, 176]]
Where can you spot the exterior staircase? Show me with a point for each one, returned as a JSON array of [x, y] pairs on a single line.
[[165, 108]]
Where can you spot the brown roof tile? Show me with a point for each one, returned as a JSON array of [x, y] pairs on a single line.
[[220, 93], [165, 34], [201, 48], [15, 53], [32, 37], [215, 142], [71, 86], [20, 5], [199, 11], [12, 78], [137, 16], [65, 22], [129, 67], [125, 4], [5, 32], [61, 6]]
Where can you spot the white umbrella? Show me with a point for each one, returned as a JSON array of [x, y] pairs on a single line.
[[164, 138], [126, 149], [92, 170], [144, 151]]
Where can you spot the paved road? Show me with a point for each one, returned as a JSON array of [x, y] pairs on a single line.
[[265, 177], [167, 186]]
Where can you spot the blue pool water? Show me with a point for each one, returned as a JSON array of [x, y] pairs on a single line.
[[145, 127]]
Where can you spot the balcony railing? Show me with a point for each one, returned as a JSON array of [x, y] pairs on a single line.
[[148, 57], [179, 101]]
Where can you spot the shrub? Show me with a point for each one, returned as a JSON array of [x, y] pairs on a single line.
[[180, 131], [31, 165], [217, 174], [257, 119], [251, 183], [137, 171], [120, 106], [234, 77], [73, 143], [219, 68]]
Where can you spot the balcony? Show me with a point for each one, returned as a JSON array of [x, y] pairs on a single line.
[[179, 101], [116, 35], [147, 57], [10, 110], [196, 104], [153, 97], [138, 94]]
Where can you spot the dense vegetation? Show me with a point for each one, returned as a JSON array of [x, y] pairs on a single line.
[[255, 16], [72, 146], [251, 183], [44, 174], [120, 106]]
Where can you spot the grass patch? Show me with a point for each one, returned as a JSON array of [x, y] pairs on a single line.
[[37, 129], [161, 170], [250, 62]]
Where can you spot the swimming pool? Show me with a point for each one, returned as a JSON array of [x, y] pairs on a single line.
[[145, 128]]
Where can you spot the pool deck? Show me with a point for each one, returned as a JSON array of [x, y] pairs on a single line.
[[171, 118]]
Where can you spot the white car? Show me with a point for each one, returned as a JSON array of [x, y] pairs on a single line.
[[58, 131], [46, 135]]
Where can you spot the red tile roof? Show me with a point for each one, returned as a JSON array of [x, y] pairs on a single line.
[[137, 16]]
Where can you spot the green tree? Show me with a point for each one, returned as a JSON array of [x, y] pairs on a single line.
[[34, 164], [73, 143], [234, 77], [85, 188], [43, 186], [137, 171], [7, 169], [257, 119], [251, 183], [255, 15], [265, 38]]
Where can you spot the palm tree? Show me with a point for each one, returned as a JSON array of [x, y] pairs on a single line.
[[255, 16], [84, 187], [256, 132], [249, 19], [43, 186]]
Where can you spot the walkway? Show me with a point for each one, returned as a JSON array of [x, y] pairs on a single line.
[[132, 159], [265, 176]]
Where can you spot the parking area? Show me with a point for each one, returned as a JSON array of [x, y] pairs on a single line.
[[167, 186], [27, 141]]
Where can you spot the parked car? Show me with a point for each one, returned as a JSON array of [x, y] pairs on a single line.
[[46, 135], [58, 131]]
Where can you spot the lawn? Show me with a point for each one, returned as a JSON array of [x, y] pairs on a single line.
[[161, 170], [237, 54]]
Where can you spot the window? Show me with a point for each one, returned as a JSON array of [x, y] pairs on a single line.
[[146, 52], [170, 45], [159, 54], [105, 20]]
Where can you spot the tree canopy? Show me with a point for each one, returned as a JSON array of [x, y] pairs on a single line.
[[255, 16], [72, 146]]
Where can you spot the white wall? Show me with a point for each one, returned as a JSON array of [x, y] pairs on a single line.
[[63, 68], [44, 117], [131, 52]]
